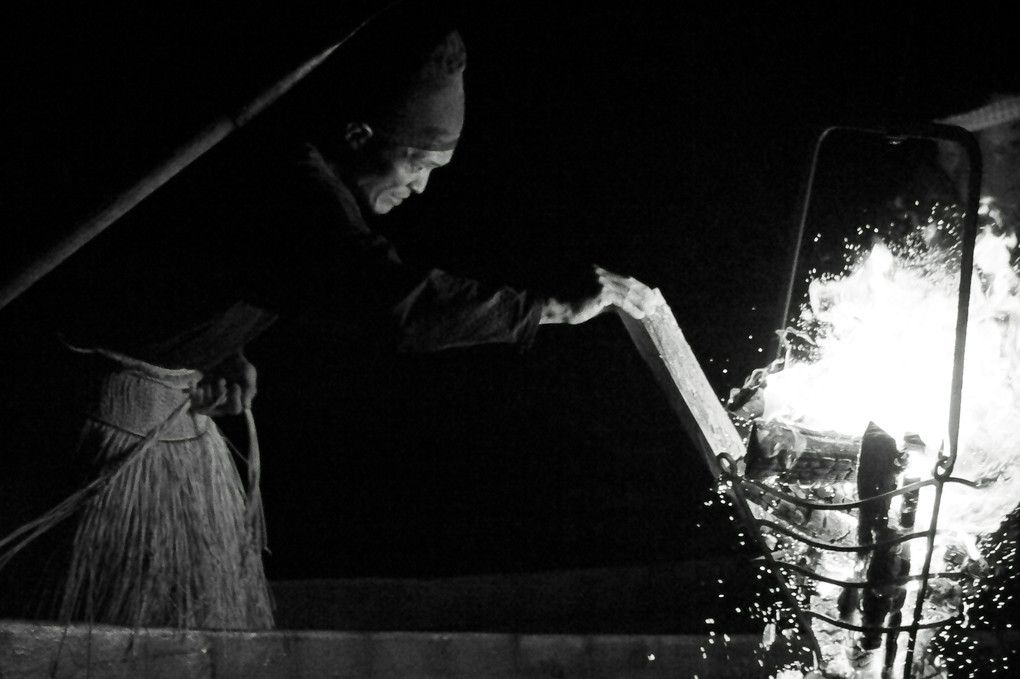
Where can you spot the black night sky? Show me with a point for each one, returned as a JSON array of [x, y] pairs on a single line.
[[664, 140]]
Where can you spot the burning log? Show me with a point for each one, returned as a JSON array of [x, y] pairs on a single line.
[[801, 456], [807, 465], [881, 601]]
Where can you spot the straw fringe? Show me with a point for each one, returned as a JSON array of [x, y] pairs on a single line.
[[166, 535], [11, 545]]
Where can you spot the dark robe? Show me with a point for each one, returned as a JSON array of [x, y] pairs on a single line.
[[220, 256]]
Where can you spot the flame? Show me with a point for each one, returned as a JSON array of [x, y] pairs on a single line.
[[884, 337], [881, 343]]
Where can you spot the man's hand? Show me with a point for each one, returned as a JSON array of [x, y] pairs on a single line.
[[227, 389], [627, 294]]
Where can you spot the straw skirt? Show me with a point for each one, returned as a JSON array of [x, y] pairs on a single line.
[[169, 535]]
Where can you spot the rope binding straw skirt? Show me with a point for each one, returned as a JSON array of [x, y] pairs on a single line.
[[167, 534]]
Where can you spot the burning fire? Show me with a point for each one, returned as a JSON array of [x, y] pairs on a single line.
[[876, 345], [883, 338]]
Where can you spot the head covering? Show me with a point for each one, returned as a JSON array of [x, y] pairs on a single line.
[[402, 75], [425, 110]]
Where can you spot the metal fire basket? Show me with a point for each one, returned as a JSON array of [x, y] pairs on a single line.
[[810, 497]]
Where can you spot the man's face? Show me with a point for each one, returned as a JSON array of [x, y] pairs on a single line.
[[390, 174]]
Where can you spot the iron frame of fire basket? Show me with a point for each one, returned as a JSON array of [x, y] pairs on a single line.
[[737, 485]]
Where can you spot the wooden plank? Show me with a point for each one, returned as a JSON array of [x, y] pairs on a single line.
[[38, 649], [661, 343]]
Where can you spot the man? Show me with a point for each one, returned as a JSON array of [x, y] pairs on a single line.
[[337, 173], [167, 531]]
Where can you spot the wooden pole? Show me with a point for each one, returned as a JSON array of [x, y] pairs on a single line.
[[112, 210]]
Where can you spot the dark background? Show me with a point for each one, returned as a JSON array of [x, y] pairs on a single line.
[[667, 143]]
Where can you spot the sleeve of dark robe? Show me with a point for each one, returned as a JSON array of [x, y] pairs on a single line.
[[300, 248], [341, 272], [206, 268]]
